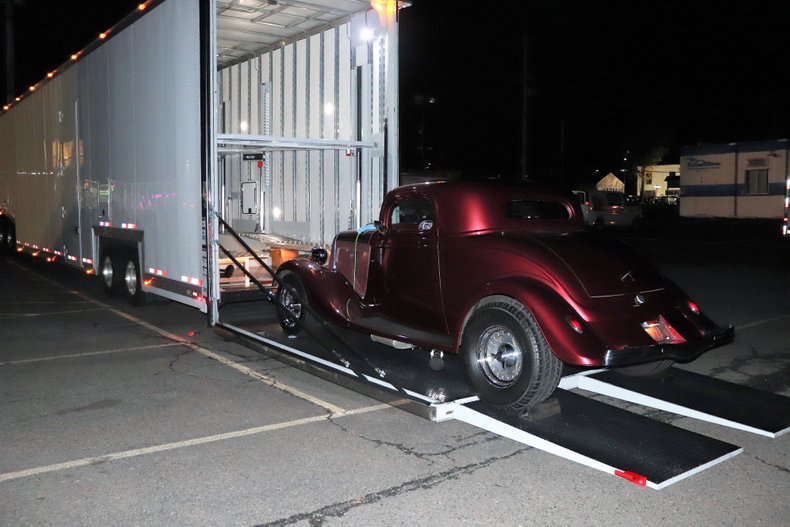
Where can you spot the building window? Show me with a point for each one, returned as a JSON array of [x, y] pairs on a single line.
[[756, 182]]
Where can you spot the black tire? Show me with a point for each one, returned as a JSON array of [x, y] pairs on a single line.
[[109, 273], [648, 369], [132, 282], [530, 372], [291, 303]]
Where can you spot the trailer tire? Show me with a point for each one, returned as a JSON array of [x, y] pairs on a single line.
[[132, 280], [109, 273], [291, 310], [507, 358]]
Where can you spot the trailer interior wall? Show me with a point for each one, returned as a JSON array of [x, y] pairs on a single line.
[[332, 85], [114, 138]]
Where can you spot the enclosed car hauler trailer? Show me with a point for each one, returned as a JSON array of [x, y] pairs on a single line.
[[120, 161]]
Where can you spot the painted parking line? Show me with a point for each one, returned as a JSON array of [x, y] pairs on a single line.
[[269, 381], [761, 322], [28, 315], [90, 353], [7, 476]]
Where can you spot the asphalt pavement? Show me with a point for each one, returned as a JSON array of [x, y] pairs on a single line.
[[118, 415]]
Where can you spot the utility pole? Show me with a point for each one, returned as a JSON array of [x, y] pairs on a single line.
[[524, 104]]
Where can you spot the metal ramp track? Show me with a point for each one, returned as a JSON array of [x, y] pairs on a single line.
[[642, 450], [697, 396]]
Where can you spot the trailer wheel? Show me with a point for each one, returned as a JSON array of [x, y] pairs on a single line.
[[108, 273], [291, 303], [646, 370], [132, 282], [507, 358]]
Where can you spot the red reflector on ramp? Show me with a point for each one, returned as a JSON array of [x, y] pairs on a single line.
[[633, 477]]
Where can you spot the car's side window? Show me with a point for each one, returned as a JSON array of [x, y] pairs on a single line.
[[411, 212]]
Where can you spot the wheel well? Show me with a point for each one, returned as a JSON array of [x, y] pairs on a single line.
[[118, 247], [477, 305]]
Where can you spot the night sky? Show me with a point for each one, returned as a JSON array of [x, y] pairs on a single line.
[[604, 78]]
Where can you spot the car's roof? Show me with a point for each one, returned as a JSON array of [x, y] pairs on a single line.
[[476, 205]]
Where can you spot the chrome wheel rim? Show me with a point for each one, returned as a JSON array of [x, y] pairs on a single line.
[[130, 278], [106, 272], [499, 356], [292, 309]]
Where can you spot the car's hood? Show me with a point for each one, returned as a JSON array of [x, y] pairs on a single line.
[[603, 266]]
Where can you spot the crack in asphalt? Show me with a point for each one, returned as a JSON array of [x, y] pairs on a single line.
[[337, 510], [423, 456], [772, 465], [776, 381]]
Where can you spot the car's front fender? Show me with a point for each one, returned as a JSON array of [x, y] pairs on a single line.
[[328, 293]]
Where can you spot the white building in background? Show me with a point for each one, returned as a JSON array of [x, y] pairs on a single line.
[[610, 183], [735, 180], [657, 180]]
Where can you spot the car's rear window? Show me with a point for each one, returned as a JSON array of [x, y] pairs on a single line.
[[537, 210]]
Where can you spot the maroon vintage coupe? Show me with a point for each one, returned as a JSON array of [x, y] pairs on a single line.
[[505, 275]]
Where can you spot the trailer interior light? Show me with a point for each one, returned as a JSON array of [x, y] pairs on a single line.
[[142, 6], [90, 271], [50, 74], [148, 281], [102, 35], [75, 56], [19, 249], [6, 107], [367, 34], [18, 99], [32, 88], [693, 307], [277, 212], [50, 259], [575, 324], [35, 253]]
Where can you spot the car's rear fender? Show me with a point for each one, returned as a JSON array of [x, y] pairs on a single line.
[[328, 293], [553, 315]]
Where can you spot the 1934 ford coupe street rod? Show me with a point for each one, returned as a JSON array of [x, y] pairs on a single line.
[[505, 275]]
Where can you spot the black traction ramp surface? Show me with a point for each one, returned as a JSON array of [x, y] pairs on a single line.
[[627, 441], [756, 409]]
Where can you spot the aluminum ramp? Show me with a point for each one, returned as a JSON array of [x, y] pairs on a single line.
[[642, 450], [698, 396]]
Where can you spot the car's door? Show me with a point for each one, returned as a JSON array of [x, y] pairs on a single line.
[[407, 253]]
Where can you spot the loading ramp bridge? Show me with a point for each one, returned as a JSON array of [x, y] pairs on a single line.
[[571, 425]]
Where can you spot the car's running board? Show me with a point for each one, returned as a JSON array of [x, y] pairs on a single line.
[[392, 343], [389, 330]]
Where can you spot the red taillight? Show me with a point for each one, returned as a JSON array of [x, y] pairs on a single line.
[[575, 324], [633, 477], [693, 307], [660, 331]]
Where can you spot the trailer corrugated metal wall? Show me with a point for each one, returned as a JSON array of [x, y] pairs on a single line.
[[330, 85]]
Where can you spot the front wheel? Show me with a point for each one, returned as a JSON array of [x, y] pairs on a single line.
[[108, 273], [291, 303], [507, 358]]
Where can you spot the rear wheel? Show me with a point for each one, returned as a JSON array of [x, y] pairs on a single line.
[[132, 282], [507, 358], [291, 303]]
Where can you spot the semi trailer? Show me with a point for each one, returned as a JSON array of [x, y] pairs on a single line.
[[278, 118]]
